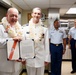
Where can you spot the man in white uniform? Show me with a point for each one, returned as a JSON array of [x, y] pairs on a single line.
[[72, 42], [35, 30], [9, 29]]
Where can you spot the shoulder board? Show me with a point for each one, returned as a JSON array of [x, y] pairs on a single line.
[[42, 25], [27, 24]]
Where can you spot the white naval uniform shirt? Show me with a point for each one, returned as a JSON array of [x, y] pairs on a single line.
[[41, 50], [6, 65], [56, 36], [72, 32]]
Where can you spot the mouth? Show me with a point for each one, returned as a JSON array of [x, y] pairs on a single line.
[[14, 20]]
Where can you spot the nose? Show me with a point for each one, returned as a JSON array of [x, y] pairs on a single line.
[[36, 14], [14, 17]]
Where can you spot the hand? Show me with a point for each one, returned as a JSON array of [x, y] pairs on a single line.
[[23, 62], [69, 47], [46, 63], [17, 38], [19, 60], [64, 51]]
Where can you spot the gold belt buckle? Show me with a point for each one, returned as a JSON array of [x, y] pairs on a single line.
[[56, 44]]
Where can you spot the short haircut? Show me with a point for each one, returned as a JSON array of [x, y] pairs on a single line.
[[56, 20], [37, 8], [12, 8]]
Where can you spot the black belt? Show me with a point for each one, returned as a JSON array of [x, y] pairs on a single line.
[[57, 44], [73, 39]]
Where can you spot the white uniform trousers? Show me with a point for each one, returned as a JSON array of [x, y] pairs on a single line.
[[9, 73], [35, 71]]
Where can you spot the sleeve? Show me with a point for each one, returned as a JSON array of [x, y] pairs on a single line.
[[64, 34], [23, 30], [69, 33], [2, 37], [47, 49], [49, 33]]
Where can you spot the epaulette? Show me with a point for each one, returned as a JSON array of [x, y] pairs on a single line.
[[26, 25], [42, 25]]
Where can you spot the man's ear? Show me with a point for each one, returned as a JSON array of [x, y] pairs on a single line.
[[31, 14], [6, 15]]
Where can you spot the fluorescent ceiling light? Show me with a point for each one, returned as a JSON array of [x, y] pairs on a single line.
[[71, 11]]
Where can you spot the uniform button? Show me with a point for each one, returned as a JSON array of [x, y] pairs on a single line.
[[34, 56], [40, 40]]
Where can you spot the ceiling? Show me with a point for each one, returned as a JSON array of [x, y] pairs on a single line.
[[63, 5]]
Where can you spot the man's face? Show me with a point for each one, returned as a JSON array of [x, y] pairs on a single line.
[[56, 24], [12, 17], [36, 15]]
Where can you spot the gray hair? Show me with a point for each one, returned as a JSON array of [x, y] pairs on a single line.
[[36, 8], [12, 8]]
